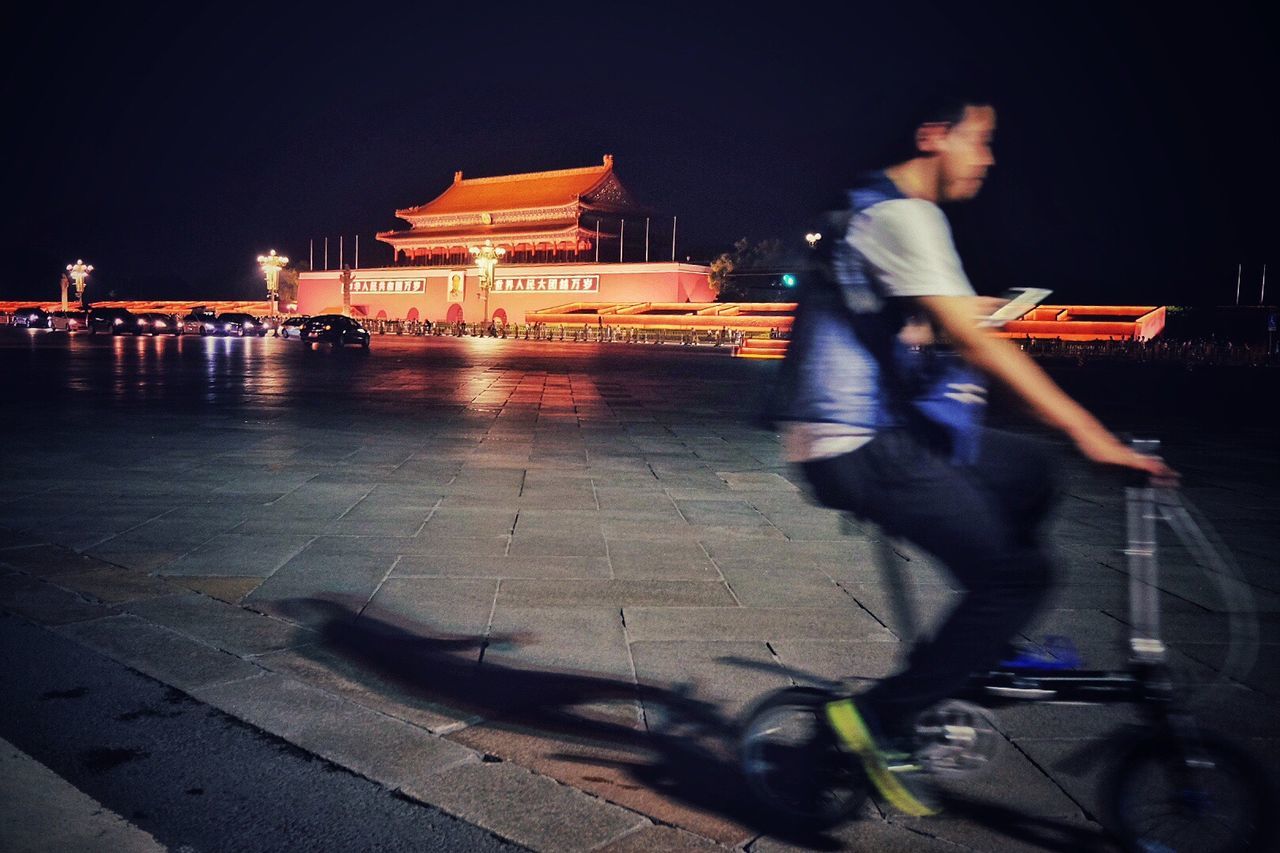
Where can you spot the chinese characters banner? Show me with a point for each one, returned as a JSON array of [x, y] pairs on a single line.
[[548, 284], [412, 285]]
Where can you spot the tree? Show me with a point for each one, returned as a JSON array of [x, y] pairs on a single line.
[[745, 260]]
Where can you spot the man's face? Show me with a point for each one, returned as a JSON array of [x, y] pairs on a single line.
[[964, 154]]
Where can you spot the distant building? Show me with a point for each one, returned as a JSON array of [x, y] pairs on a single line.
[[569, 236]]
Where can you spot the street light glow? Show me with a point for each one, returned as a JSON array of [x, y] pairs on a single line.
[[487, 257], [271, 264]]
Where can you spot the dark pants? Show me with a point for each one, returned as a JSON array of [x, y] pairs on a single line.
[[979, 520]]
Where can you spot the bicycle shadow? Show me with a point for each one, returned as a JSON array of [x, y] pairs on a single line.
[[686, 751]]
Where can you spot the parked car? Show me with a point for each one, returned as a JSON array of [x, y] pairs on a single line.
[[155, 323], [31, 317], [235, 323], [334, 329], [291, 328], [111, 321], [68, 321], [200, 322]]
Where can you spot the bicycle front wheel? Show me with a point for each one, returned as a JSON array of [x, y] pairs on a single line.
[[793, 765], [1209, 797]]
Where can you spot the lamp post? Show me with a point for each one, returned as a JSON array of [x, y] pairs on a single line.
[[271, 264], [79, 272], [487, 257]]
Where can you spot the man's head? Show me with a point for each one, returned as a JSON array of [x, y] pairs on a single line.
[[950, 150]]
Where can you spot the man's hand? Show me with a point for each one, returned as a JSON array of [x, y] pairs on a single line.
[[1105, 449]]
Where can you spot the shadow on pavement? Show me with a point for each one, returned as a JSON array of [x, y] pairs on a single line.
[[687, 753]]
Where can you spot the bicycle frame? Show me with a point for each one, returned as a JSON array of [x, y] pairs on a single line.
[[1146, 681]]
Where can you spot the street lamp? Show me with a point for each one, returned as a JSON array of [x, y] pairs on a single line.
[[812, 239], [271, 265], [79, 271], [487, 257]]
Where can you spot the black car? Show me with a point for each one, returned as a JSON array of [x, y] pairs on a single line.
[[154, 323], [235, 323], [31, 317], [112, 321], [334, 329]]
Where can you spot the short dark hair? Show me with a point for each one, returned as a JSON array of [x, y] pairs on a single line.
[[939, 107]]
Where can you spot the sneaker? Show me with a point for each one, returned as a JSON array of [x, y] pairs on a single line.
[[895, 774], [1055, 653]]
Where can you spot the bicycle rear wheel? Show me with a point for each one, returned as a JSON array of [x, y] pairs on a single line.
[[793, 765], [1209, 798]]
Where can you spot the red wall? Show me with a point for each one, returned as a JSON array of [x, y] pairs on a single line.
[[659, 282]]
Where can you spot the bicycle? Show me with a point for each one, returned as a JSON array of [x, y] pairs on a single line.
[[1198, 783]]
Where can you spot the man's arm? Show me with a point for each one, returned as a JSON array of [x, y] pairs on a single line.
[[1014, 369]]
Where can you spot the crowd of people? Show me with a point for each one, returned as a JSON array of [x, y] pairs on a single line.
[[1190, 352]]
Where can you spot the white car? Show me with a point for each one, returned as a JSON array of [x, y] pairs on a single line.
[[291, 328], [68, 321]]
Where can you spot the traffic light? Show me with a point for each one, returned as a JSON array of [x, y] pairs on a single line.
[[788, 280]]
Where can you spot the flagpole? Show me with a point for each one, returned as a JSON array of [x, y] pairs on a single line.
[[597, 240], [622, 238], [357, 251], [646, 239], [326, 253], [342, 255], [673, 238], [311, 253], [1239, 269], [1262, 297]]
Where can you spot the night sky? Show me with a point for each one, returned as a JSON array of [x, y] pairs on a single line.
[[1136, 157]]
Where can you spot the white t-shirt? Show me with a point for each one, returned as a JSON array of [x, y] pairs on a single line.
[[907, 246]]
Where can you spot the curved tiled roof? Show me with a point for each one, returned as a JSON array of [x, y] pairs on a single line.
[[514, 192], [494, 232]]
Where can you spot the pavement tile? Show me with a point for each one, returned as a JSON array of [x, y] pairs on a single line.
[[988, 825], [221, 625], [398, 685], [466, 565], [728, 676], [114, 585], [236, 555], [526, 808], [752, 623], [522, 592], [434, 606], [659, 839], [159, 652], [390, 751], [350, 577], [783, 587], [231, 590], [869, 832], [625, 767], [48, 561], [643, 559], [539, 640], [854, 662], [580, 543], [42, 602]]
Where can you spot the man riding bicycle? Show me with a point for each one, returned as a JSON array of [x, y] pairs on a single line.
[[886, 425]]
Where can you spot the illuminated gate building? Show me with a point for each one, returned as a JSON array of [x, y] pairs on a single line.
[[566, 237]]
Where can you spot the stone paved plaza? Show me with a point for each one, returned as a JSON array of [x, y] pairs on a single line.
[[536, 584]]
